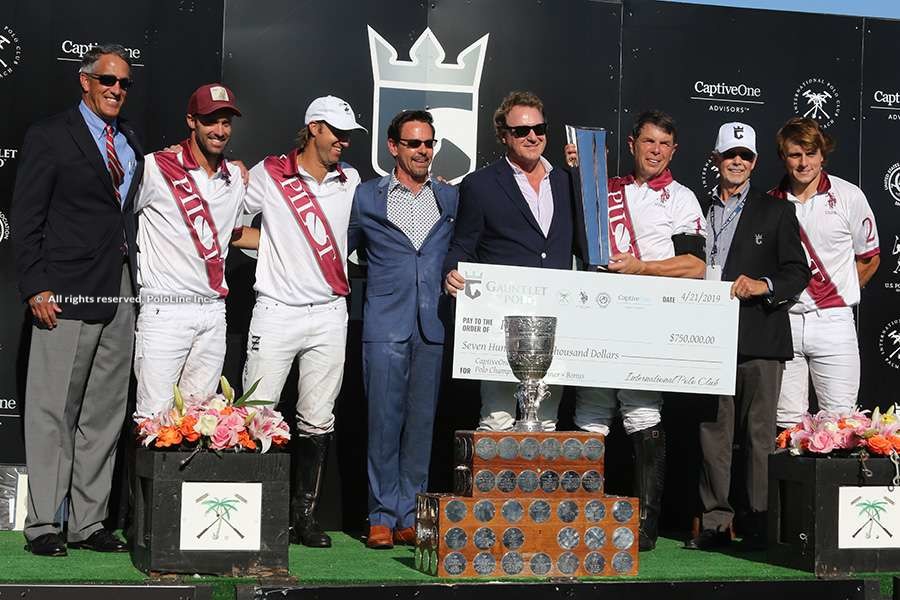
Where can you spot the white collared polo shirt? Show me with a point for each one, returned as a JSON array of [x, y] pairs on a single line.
[[286, 268]]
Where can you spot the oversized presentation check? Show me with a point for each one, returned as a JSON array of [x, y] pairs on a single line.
[[613, 331]]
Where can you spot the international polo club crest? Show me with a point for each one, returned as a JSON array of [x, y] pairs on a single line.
[[817, 99], [889, 343], [10, 51], [449, 91]]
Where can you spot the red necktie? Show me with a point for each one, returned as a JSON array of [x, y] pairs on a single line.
[[112, 160]]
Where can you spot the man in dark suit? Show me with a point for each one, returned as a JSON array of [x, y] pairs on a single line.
[[404, 222], [754, 241], [516, 211], [73, 229]]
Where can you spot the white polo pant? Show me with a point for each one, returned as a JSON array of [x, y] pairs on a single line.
[[181, 343], [826, 351], [317, 335], [595, 409]]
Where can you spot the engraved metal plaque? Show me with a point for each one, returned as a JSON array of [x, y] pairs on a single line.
[[567, 538], [455, 511], [529, 448], [549, 481], [567, 563], [508, 448], [570, 481], [622, 562], [484, 563], [622, 538], [541, 564], [512, 511], [567, 511], [455, 538], [513, 538], [506, 481], [484, 538], [485, 480], [594, 563], [462, 481], [455, 563], [622, 511], [486, 448], [594, 538], [528, 481], [591, 481], [594, 511], [484, 511], [462, 449], [593, 449], [551, 449], [512, 563], [539, 511], [571, 449]]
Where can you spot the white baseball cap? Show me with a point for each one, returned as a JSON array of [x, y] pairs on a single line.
[[736, 135], [334, 111]]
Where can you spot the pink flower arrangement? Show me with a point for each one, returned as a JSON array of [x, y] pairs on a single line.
[[216, 422], [826, 432]]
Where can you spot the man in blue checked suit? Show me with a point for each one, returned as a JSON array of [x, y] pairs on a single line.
[[404, 222]]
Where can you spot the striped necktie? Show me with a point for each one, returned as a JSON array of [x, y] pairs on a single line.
[[112, 161]]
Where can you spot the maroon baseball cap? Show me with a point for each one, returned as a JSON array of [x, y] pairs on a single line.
[[211, 97]]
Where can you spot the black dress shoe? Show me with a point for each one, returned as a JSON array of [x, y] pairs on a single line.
[[101, 541], [49, 544], [709, 539]]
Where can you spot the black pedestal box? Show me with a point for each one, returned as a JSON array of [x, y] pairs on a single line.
[[156, 539], [803, 513]]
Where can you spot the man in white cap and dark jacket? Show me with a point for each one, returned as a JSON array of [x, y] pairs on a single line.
[[301, 285], [753, 240]]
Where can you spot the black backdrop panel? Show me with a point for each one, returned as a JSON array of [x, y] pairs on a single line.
[[879, 319], [707, 65], [174, 48], [281, 55]]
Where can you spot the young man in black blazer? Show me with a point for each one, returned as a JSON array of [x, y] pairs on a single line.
[[754, 241], [73, 230]]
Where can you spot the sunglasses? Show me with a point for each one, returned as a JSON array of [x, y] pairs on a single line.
[[413, 144], [742, 152], [110, 80], [520, 131]]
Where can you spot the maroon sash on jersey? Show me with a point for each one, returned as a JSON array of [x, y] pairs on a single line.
[[195, 212], [308, 214], [620, 217], [821, 288]]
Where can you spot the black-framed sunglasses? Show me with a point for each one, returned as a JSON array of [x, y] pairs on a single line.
[[520, 131], [110, 80], [742, 152], [413, 144]]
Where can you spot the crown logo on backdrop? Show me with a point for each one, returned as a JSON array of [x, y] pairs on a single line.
[[426, 64]]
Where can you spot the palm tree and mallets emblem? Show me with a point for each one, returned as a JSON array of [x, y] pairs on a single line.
[[220, 510], [872, 510]]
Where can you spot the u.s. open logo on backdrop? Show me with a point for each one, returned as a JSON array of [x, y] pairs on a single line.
[[449, 91]]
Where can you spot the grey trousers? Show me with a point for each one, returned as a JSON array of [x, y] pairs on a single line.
[[747, 419], [76, 395]]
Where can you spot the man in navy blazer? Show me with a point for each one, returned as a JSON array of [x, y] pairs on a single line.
[[404, 222], [73, 230], [516, 211]]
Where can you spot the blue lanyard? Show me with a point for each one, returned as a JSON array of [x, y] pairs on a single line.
[[712, 225]]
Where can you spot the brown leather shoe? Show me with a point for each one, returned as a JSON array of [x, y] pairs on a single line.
[[379, 538], [405, 536]]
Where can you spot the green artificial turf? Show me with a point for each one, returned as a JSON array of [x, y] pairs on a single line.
[[349, 562]]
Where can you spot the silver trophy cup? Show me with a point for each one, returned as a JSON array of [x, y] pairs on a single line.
[[529, 350]]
